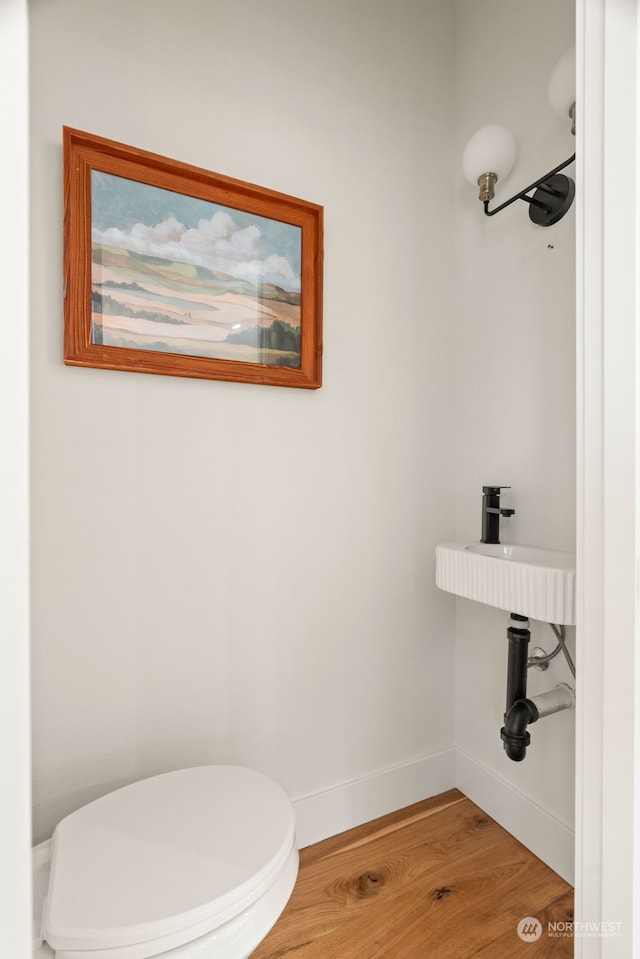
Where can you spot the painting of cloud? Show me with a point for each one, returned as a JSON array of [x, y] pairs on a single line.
[[173, 273]]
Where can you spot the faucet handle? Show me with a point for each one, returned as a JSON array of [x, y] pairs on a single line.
[[493, 490]]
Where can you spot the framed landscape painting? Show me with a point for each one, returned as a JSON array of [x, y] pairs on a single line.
[[175, 270]]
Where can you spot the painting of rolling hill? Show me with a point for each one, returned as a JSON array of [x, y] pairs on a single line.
[[173, 269]]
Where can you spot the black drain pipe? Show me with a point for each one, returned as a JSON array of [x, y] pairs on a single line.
[[514, 733], [520, 711], [518, 635]]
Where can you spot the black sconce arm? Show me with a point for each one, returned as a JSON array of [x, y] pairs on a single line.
[[553, 197]]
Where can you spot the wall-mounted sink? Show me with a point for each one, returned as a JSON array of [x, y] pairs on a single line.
[[538, 583]]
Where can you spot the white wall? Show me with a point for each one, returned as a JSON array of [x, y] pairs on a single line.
[[515, 374], [607, 758], [15, 861], [231, 573]]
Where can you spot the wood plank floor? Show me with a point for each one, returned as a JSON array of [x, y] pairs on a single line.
[[438, 879]]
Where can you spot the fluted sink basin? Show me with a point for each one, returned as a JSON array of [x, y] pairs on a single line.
[[538, 583]]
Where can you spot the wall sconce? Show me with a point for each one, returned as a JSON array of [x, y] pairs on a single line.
[[491, 152]]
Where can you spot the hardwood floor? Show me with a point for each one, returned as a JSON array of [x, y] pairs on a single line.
[[438, 879]]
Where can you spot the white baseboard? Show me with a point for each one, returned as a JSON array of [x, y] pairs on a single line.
[[549, 839], [331, 811]]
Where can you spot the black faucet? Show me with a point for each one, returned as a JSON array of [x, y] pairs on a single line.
[[491, 513]]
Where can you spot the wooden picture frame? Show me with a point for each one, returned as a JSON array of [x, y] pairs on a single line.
[[175, 270]]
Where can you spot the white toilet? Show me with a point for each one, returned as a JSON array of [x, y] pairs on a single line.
[[191, 864]]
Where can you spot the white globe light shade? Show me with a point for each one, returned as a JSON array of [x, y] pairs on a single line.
[[562, 85], [491, 150]]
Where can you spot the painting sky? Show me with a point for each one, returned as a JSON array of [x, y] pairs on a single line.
[[155, 222]]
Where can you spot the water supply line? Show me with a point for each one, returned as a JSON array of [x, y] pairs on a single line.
[[540, 660], [522, 711]]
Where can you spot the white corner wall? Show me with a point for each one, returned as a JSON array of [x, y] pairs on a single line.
[[515, 405], [603, 833], [231, 573]]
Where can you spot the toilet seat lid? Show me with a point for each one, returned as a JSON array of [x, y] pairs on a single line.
[[187, 849]]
